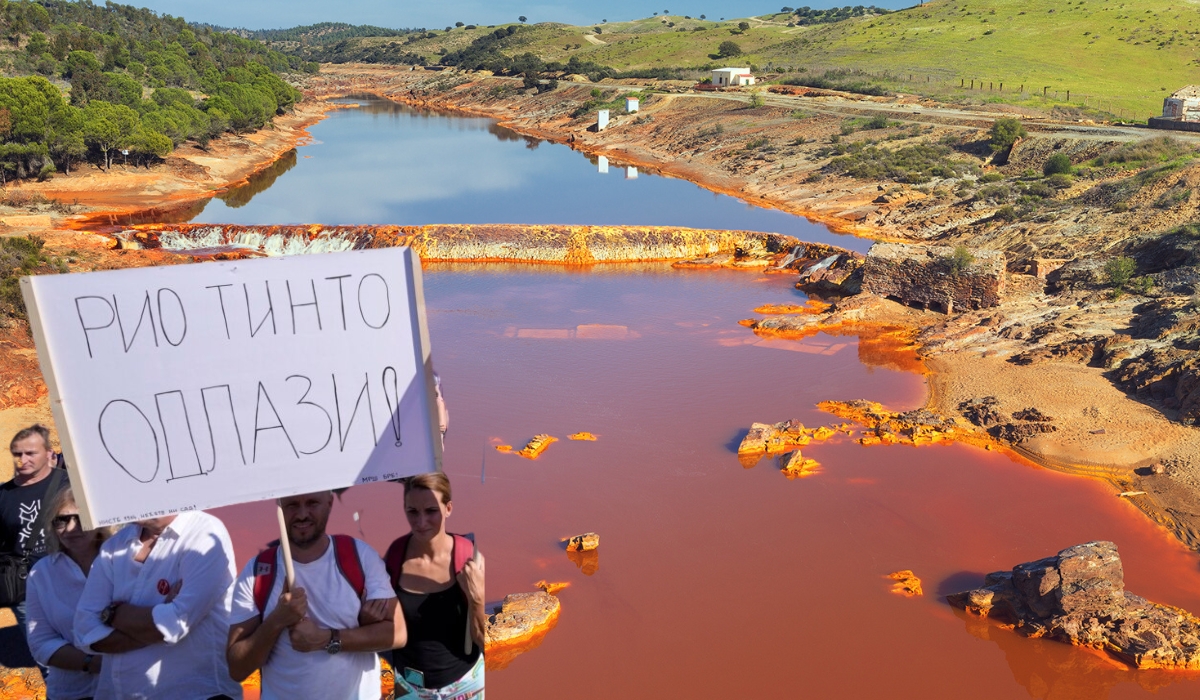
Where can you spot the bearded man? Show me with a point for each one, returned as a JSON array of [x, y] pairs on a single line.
[[319, 638]]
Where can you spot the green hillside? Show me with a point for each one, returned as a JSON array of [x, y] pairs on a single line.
[[1120, 55], [85, 81]]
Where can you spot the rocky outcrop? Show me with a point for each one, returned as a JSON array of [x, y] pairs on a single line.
[[520, 624], [536, 446], [917, 427], [906, 583], [1078, 596], [928, 276], [583, 543]]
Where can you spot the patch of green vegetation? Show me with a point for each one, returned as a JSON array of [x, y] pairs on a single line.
[[1159, 149], [843, 80], [850, 126], [960, 260], [910, 164], [1118, 272], [21, 256]]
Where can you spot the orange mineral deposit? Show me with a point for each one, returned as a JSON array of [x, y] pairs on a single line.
[[582, 436], [537, 446]]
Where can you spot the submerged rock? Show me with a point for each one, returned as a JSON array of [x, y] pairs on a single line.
[[779, 437], [1079, 597], [906, 583], [917, 427], [795, 466]]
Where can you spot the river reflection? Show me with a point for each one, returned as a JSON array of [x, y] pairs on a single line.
[[384, 163], [718, 581]]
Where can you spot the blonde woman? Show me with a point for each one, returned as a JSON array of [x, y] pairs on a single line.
[[52, 593]]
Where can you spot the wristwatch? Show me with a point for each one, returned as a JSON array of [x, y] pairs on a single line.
[[335, 642], [107, 614], [87, 663]]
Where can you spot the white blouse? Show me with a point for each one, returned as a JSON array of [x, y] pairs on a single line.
[[51, 595]]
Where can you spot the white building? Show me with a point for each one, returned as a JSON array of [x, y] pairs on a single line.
[[732, 77], [602, 120], [1183, 105], [631, 105]]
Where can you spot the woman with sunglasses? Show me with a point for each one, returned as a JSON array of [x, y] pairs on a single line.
[[52, 594]]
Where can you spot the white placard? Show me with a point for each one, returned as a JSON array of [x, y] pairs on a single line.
[[187, 387]]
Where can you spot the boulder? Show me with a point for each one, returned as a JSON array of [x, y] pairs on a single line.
[[1078, 596], [518, 625], [583, 543]]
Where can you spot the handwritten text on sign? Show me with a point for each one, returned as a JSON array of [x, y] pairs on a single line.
[[195, 386]]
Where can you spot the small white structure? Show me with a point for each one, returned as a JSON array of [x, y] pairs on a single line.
[[602, 165], [732, 77], [630, 172], [1183, 105], [631, 105], [601, 120]]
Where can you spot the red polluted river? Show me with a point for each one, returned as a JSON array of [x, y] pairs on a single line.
[[714, 580]]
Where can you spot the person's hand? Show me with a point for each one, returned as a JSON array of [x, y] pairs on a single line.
[[470, 579], [306, 636], [93, 666], [291, 608], [373, 611]]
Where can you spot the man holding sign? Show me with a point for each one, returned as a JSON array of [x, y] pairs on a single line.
[[316, 636]]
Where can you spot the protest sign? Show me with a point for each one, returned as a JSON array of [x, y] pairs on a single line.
[[187, 387]]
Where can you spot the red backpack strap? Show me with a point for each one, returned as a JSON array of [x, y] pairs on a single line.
[[264, 577], [464, 549], [394, 559], [346, 552]]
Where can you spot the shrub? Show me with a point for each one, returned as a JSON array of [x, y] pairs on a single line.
[[1059, 181], [1143, 285], [1119, 271], [1057, 164], [1005, 213], [20, 256], [756, 99], [991, 177], [1005, 132], [959, 260]]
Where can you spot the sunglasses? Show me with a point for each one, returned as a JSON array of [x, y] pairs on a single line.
[[62, 522]]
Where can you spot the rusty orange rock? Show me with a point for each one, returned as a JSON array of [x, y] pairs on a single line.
[[504, 448], [918, 427], [582, 436], [906, 583], [795, 466], [583, 543], [537, 446], [812, 306], [551, 587], [518, 626]]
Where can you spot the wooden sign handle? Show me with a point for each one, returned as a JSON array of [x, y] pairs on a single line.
[[286, 547]]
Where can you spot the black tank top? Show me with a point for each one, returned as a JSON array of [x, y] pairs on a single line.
[[437, 629]]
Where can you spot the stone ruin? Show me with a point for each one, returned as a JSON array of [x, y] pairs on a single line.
[[1078, 596], [924, 276], [1181, 111]]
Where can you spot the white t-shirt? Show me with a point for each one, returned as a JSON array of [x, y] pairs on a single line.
[[51, 595], [332, 604]]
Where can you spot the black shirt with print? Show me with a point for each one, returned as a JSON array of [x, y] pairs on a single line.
[[21, 526]]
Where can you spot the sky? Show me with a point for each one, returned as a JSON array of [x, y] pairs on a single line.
[[434, 14]]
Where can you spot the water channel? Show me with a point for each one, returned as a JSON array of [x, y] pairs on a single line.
[[713, 580]]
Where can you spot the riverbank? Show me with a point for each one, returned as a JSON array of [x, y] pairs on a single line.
[[776, 155]]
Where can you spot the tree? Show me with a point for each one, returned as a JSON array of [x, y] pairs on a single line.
[[108, 127], [702, 17], [459, 24], [521, 19], [1005, 132], [743, 26], [729, 49]]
